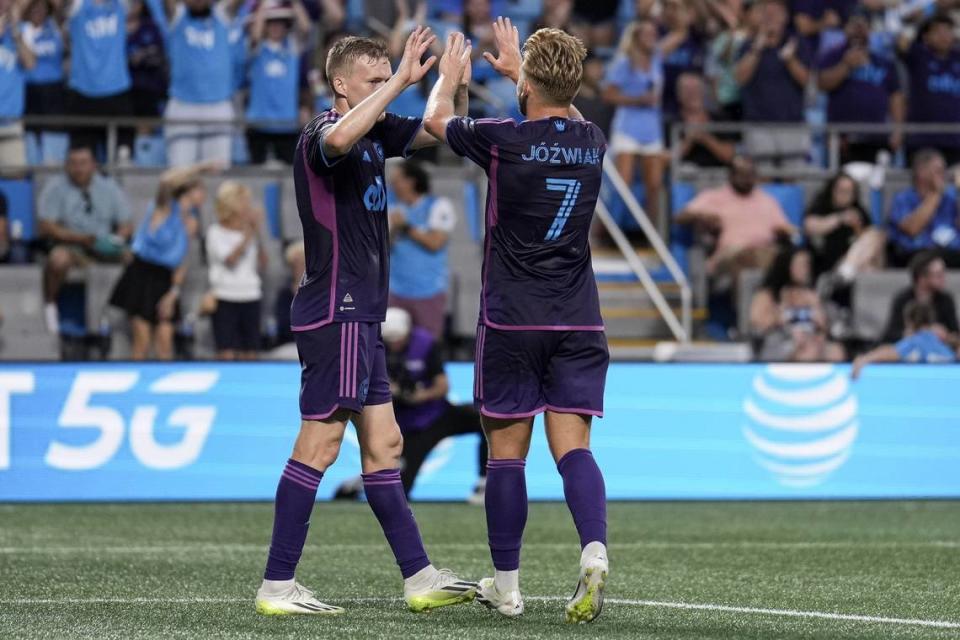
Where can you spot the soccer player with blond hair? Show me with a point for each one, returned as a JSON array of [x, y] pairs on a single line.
[[541, 346], [336, 314]]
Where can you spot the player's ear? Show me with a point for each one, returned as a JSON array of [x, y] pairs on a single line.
[[339, 86]]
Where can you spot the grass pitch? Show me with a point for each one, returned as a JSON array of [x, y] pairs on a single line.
[[678, 570]]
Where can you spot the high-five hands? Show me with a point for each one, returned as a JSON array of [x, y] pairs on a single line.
[[411, 70], [507, 37], [456, 57]]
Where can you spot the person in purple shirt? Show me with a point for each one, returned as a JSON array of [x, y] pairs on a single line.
[[926, 215], [862, 86], [773, 71], [933, 62], [336, 316], [541, 345]]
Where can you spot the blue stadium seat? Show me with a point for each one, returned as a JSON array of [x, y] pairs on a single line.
[[681, 236], [19, 194], [791, 198]]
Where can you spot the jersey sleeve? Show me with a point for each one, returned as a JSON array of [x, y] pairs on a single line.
[[313, 136], [396, 134], [474, 139]]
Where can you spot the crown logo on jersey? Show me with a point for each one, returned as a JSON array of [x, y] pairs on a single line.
[[348, 298], [366, 156], [560, 125]]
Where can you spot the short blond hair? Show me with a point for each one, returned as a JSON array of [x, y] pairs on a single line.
[[553, 60], [232, 198]]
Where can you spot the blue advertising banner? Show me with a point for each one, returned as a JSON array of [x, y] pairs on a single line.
[[211, 431]]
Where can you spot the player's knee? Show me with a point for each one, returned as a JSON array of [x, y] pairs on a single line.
[[317, 450]]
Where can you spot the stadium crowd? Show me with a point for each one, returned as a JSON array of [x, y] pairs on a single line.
[[770, 66]]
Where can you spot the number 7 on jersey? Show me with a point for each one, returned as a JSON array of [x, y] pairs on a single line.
[[571, 189]]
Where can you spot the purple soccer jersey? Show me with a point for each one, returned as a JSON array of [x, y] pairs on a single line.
[[544, 180], [343, 209]]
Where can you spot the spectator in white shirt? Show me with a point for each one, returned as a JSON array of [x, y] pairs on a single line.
[[236, 257]]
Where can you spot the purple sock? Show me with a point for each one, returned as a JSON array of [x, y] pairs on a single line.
[[385, 495], [586, 495], [506, 503], [296, 494]]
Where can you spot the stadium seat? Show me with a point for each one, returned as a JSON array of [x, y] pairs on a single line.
[[872, 295], [681, 236], [791, 199], [20, 210], [271, 208]]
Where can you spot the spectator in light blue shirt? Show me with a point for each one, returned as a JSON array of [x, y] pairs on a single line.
[[420, 225], [99, 80], [925, 215], [149, 288], [44, 89], [202, 82], [15, 58], [634, 84], [923, 344], [274, 77]]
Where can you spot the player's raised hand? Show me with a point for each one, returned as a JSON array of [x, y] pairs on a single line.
[[410, 69], [507, 37], [456, 56]]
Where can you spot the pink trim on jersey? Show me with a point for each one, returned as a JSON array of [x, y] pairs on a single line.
[[356, 360], [507, 416], [586, 412], [325, 213]]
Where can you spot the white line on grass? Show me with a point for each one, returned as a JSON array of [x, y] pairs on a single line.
[[656, 604], [210, 547]]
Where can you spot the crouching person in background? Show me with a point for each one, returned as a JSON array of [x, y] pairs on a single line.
[[149, 289], [236, 257], [925, 342]]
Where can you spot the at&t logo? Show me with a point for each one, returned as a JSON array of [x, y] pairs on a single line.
[[801, 421]]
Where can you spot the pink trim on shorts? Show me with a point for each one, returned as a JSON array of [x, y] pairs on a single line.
[[541, 327], [323, 416], [507, 416], [586, 412]]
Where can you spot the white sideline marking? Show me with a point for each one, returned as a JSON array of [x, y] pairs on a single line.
[[657, 604], [208, 547]]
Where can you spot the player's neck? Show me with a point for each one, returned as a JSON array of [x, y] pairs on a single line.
[[340, 105], [541, 111]]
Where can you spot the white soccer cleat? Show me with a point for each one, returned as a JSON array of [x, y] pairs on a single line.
[[435, 589], [290, 598], [507, 604], [587, 601]]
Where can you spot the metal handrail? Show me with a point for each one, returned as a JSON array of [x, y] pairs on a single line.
[[680, 331], [685, 324]]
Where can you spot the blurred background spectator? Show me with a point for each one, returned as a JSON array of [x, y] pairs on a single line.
[[44, 81], [236, 258], [745, 221], [149, 289], [928, 274], [84, 217], [840, 234], [99, 75], [922, 342], [634, 84], [148, 63], [773, 71], [925, 215], [276, 43], [420, 230], [787, 316]]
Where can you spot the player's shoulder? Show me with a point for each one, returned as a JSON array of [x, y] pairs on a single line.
[[564, 127]]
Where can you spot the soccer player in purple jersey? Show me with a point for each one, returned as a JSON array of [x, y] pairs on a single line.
[[541, 345], [336, 316]]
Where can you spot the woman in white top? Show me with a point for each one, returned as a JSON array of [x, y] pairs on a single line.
[[236, 258]]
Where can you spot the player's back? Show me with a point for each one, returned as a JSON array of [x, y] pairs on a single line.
[[544, 181]]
